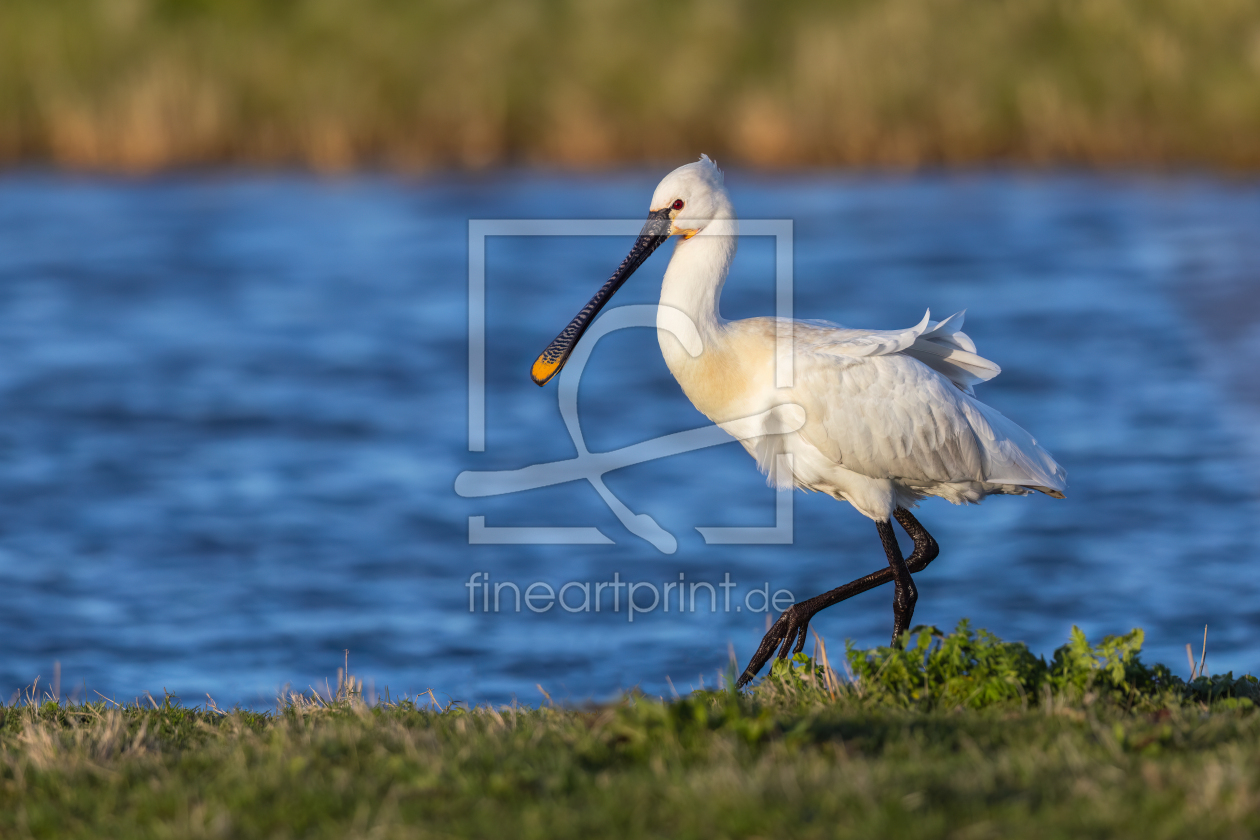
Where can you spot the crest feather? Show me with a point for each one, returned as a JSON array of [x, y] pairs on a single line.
[[705, 159]]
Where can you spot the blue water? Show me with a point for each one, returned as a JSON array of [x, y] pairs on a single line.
[[233, 407]]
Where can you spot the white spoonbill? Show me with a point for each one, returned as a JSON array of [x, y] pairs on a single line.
[[890, 416]]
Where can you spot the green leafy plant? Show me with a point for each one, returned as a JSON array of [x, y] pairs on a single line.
[[975, 669], [966, 668]]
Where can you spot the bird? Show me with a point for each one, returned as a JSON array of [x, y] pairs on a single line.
[[884, 418]]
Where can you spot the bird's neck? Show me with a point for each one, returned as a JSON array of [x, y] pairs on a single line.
[[693, 281]]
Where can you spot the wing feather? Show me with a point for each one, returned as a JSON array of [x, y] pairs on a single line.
[[946, 349]]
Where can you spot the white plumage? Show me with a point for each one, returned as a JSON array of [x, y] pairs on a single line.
[[878, 418]]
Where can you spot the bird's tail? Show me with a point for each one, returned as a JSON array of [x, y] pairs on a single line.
[[1011, 455]]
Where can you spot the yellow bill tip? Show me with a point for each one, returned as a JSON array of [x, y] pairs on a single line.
[[542, 371]]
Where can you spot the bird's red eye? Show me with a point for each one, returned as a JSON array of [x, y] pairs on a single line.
[[678, 204]]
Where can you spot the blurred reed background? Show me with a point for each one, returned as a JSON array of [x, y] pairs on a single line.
[[333, 84]]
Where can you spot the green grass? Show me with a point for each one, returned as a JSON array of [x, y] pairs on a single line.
[[141, 84], [947, 736]]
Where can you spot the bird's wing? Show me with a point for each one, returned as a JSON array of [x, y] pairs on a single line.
[[899, 404], [890, 416], [887, 417]]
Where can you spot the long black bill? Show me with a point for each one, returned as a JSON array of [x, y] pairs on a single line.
[[557, 353]]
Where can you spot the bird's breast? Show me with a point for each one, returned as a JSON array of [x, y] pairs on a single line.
[[727, 379]]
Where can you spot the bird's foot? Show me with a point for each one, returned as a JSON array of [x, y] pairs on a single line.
[[791, 627]]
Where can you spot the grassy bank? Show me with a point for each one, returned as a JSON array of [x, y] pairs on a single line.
[[142, 84], [957, 737]]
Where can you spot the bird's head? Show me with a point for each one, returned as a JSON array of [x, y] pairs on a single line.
[[688, 201], [692, 197]]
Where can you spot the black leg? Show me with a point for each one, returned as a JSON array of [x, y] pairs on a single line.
[[793, 625], [906, 592]]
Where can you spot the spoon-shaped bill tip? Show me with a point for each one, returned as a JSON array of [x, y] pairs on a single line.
[[543, 370]]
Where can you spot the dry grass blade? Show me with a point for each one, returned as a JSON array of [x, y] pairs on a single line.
[[1203, 652], [829, 675]]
